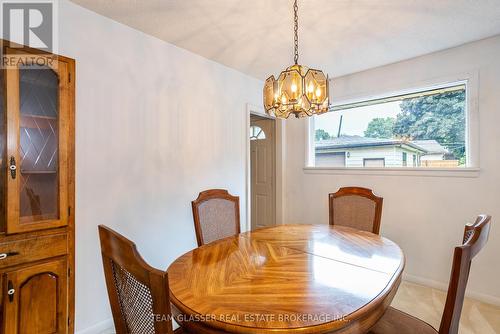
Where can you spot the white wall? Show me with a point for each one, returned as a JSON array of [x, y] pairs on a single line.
[[427, 222], [155, 125]]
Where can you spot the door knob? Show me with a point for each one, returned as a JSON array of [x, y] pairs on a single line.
[[10, 291], [13, 167]]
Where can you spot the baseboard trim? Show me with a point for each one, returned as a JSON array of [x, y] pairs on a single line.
[[98, 328], [444, 287]]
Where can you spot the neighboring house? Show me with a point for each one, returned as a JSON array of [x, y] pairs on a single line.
[[436, 155], [357, 151], [434, 150]]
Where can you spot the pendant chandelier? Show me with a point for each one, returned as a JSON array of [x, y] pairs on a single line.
[[298, 90]]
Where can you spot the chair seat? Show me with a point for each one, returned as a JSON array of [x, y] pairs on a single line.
[[397, 322]]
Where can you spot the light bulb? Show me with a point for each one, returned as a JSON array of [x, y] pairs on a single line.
[[294, 87], [318, 92], [310, 88], [283, 99]]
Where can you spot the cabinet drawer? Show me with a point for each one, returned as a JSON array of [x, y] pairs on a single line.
[[32, 249]]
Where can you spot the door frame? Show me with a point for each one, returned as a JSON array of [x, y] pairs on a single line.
[[279, 165]]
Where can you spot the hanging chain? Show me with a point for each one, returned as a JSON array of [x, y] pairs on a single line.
[[296, 31]]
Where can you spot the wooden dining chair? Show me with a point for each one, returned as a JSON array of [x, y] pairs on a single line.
[[396, 322], [216, 215], [138, 293], [356, 207]]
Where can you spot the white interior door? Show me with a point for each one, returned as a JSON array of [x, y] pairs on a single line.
[[262, 155]]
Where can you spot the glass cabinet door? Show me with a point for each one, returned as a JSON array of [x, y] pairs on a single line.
[[37, 105]]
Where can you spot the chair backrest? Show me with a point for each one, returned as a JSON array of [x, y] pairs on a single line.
[[356, 207], [216, 215], [138, 293], [475, 237]]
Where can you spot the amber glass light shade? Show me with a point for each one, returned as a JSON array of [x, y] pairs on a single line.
[[298, 90]]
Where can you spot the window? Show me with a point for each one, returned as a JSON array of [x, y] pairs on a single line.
[[428, 126], [256, 133]]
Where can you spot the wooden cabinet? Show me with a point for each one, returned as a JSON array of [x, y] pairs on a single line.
[[36, 192], [36, 299]]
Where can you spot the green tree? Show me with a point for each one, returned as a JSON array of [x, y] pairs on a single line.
[[440, 117], [380, 128], [321, 134]]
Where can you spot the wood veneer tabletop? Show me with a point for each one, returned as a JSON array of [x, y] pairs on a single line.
[[286, 279]]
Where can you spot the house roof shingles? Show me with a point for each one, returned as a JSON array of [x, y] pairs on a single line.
[[426, 146], [431, 146]]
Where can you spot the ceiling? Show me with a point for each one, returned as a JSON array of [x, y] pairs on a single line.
[[338, 36]]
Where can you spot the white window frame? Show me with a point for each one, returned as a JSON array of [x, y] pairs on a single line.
[[471, 81]]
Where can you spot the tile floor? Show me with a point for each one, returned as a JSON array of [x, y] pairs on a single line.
[[427, 304]]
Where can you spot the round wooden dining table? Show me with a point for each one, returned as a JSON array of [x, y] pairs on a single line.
[[286, 279]]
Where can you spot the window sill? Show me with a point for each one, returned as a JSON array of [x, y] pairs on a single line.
[[468, 172]]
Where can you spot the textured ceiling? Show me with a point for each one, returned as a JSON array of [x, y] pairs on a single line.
[[338, 36]]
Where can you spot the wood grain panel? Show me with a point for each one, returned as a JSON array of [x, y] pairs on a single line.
[[287, 279], [39, 302], [38, 315], [32, 249]]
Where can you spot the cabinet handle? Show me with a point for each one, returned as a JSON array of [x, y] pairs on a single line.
[[13, 167], [10, 291], [5, 255]]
